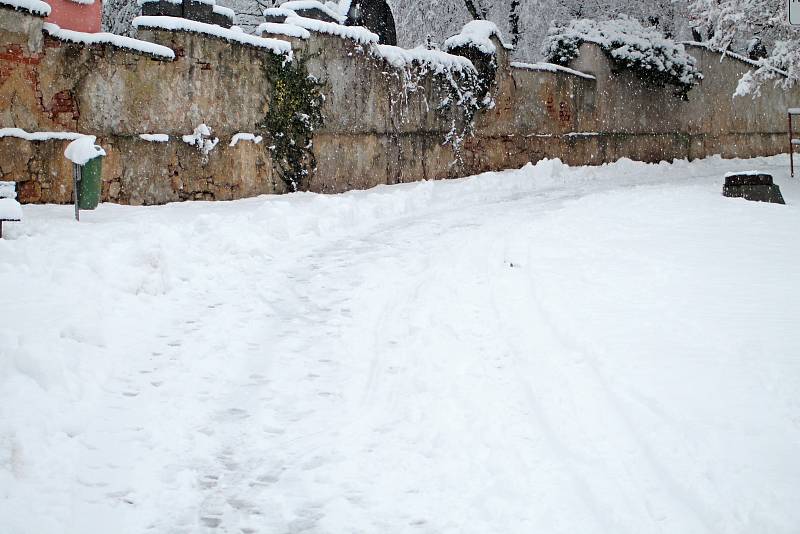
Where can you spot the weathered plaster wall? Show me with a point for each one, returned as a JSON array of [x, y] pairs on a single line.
[[382, 124]]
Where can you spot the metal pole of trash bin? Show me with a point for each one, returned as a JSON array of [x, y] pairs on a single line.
[[76, 178]]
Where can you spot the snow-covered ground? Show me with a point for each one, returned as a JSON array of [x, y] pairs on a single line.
[[550, 350]]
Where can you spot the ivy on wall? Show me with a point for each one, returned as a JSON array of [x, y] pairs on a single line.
[[295, 104]]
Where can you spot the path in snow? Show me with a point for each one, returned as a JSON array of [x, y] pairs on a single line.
[[551, 349]]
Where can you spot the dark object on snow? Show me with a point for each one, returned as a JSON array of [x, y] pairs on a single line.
[[376, 16], [752, 186], [199, 11]]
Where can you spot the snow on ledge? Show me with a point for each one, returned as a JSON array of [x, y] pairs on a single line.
[[39, 136], [287, 30], [224, 11], [734, 55], [83, 2], [356, 33], [477, 34], [551, 67], [794, 111], [438, 60], [155, 138], [295, 5], [35, 7], [275, 46], [279, 12], [119, 41], [245, 137]]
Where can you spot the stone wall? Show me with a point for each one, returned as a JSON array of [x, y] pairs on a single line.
[[382, 123]]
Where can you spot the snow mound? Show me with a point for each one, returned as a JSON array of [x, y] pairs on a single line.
[[83, 150], [437, 60], [275, 46], [299, 5], [242, 136], [551, 67], [477, 34], [119, 41], [629, 44], [356, 33], [35, 7], [10, 210], [288, 30], [201, 138], [224, 11], [38, 136], [155, 138], [279, 12]]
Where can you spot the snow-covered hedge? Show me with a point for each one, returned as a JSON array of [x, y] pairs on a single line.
[[630, 45], [476, 34]]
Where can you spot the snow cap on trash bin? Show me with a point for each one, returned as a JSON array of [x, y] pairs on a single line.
[[83, 150]]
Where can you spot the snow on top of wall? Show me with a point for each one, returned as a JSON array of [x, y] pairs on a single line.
[[794, 111], [279, 12], [289, 30], [356, 33], [155, 138], [38, 136], [733, 55], [8, 190], [477, 34], [180, 24], [140, 3], [436, 59], [245, 137], [224, 11], [296, 5], [35, 7], [551, 67], [10, 210], [83, 149], [119, 41]]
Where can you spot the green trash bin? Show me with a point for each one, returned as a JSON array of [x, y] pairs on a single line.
[[91, 184]]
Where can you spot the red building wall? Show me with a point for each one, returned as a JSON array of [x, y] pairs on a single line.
[[72, 15]]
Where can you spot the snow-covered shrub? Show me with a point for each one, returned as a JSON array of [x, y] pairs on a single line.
[[758, 27], [653, 57]]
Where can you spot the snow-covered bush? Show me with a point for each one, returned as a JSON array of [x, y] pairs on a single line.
[[738, 24], [653, 57]]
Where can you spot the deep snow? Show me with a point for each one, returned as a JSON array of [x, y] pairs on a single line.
[[550, 350]]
